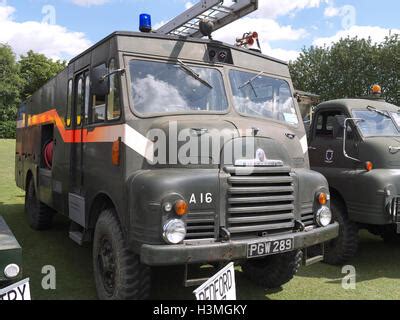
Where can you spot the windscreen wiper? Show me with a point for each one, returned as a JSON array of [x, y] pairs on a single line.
[[193, 73], [373, 109], [250, 82]]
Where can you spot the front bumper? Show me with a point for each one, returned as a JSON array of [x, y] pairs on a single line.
[[165, 255]]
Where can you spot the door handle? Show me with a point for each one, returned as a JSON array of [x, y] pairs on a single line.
[[312, 148]]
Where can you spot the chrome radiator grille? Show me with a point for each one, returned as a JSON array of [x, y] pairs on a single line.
[[260, 201]]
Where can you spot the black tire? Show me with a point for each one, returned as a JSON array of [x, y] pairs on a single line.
[[342, 249], [39, 215], [118, 273], [274, 271]]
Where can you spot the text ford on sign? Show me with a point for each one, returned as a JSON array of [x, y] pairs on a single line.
[[222, 286]]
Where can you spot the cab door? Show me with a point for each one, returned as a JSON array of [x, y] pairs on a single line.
[[79, 116], [326, 145]]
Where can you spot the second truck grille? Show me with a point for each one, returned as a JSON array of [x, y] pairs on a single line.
[[260, 201]]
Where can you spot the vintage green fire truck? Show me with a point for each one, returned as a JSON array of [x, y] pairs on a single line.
[[355, 144], [166, 149]]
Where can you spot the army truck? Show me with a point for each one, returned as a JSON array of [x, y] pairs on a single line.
[[111, 142], [355, 144], [10, 256]]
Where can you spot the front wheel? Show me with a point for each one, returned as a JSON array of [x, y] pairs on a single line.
[[274, 271], [119, 275], [342, 249]]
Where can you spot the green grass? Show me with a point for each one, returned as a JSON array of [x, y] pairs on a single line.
[[377, 264]]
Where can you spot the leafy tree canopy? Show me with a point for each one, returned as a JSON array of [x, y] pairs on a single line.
[[10, 84], [349, 68], [35, 70]]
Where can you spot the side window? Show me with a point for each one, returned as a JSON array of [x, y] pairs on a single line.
[[68, 116], [114, 100], [87, 98], [98, 107], [80, 99], [325, 124]]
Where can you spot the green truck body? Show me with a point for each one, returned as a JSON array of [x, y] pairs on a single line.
[[10, 253]]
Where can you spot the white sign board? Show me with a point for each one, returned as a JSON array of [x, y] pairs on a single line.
[[222, 286], [17, 291]]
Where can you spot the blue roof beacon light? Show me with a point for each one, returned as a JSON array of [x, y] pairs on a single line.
[[145, 22]]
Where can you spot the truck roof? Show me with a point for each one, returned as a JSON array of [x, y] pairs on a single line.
[[170, 37], [359, 103]]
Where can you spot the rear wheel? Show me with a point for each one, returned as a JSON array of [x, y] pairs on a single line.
[[274, 271], [119, 275], [342, 249], [39, 215]]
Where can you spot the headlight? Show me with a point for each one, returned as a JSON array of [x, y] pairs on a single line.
[[174, 231], [324, 216], [11, 271]]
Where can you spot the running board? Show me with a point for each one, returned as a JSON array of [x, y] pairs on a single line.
[[313, 255], [78, 234], [196, 282]]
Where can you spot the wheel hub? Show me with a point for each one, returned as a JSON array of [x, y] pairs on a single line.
[[106, 263]]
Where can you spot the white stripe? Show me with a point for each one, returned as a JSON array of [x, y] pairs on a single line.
[[304, 144], [139, 143]]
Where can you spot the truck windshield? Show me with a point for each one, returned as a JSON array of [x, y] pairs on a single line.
[[160, 87], [376, 124], [262, 96]]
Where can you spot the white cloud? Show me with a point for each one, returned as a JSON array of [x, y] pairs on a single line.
[[268, 30], [89, 3], [54, 41], [273, 9], [264, 22], [377, 34], [331, 12]]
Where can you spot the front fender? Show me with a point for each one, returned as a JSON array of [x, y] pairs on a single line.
[[309, 184], [149, 189], [371, 193]]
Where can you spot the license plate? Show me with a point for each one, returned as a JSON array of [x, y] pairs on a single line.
[[266, 247], [17, 291], [222, 286]]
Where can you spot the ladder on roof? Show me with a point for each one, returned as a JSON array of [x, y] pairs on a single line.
[[220, 12]]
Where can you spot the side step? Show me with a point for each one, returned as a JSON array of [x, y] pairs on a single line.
[[313, 255], [195, 282], [78, 234]]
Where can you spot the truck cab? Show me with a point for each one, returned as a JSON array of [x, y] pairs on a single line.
[[354, 143]]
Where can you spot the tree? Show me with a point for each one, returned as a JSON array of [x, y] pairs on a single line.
[[348, 68], [10, 84], [35, 70]]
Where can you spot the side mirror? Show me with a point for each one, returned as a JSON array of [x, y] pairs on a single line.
[[338, 126], [100, 83], [345, 137]]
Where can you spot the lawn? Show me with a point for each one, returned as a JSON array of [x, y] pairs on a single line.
[[377, 264]]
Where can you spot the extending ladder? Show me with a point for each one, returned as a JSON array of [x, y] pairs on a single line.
[[220, 12]]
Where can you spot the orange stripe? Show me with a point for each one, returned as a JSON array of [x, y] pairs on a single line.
[[100, 134]]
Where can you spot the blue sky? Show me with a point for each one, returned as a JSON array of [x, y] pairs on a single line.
[[63, 28]]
